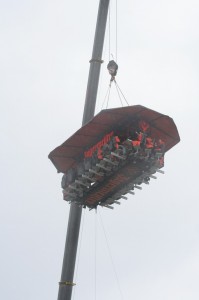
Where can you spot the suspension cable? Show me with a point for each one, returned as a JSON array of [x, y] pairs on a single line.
[[117, 86], [116, 30], [111, 67], [107, 94], [118, 93]]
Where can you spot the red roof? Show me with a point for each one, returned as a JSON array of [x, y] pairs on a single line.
[[72, 150]]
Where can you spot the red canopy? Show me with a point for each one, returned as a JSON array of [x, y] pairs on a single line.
[[72, 150]]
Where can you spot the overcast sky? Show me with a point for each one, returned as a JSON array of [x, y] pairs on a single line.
[[153, 237]]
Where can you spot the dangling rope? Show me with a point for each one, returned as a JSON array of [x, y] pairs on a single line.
[[111, 258]]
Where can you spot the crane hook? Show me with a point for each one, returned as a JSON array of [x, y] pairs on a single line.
[[112, 68]]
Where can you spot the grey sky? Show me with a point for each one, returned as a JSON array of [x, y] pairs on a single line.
[[45, 47]]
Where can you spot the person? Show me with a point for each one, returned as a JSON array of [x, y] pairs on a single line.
[[87, 163], [106, 150], [99, 153], [144, 126], [160, 145], [136, 145], [116, 141], [68, 178], [149, 143]]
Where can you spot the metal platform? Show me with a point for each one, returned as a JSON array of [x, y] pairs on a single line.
[[113, 178], [99, 172]]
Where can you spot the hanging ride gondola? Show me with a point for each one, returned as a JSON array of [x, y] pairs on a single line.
[[113, 154]]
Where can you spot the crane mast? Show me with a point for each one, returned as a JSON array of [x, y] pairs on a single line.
[[68, 267]]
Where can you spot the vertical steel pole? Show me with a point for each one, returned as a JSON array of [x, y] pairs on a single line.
[[66, 283]]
